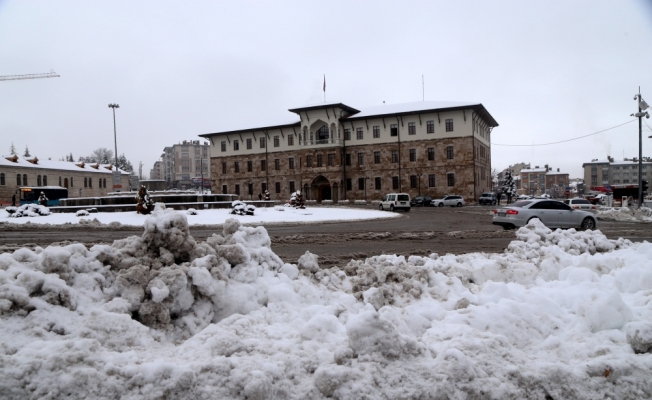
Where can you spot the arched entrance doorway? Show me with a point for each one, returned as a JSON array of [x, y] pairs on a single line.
[[320, 189]]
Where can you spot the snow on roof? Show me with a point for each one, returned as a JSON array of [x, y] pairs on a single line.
[[58, 165], [532, 170], [287, 120], [410, 107]]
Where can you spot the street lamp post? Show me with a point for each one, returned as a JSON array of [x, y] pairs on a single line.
[[642, 106], [116, 173]]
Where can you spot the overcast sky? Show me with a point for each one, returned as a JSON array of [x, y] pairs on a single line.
[[546, 71]]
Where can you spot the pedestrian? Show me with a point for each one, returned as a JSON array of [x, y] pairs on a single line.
[[42, 200], [260, 196], [13, 200]]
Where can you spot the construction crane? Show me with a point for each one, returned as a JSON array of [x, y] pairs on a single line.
[[28, 76]]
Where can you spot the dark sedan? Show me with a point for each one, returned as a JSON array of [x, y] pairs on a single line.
[[421, 201]]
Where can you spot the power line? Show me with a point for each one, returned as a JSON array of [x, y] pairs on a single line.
[[567, 140]]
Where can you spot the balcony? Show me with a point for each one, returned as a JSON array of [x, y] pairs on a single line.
[[321, 142]]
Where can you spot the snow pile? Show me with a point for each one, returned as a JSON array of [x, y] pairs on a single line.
[[28, 210], [643, 214], [240, 208], [82, 213], [191, 211], [562, 314]]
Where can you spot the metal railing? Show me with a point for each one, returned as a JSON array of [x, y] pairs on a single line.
[[317, 142]]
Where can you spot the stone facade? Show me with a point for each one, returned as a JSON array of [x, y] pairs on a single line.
[[340, 153], [81, 179]]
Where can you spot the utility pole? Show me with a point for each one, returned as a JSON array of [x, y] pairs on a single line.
[[642, 106], [117, 181]]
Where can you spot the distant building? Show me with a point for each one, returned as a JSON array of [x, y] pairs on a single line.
[[537, 181], [156, 173], [183, 165], [611, 172], [81, 179], [335, 152]]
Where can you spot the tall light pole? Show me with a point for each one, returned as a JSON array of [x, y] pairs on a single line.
[[642, 106], [117, 182]]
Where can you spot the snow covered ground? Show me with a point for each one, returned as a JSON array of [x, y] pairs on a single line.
[[263, 216], [561, 314], [626, 214]]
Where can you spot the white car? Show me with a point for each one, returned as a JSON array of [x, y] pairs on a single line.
[[450, 200], [581, 204], [395, 201]]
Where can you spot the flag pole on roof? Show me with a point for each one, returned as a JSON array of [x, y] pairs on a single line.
[[324, 88]]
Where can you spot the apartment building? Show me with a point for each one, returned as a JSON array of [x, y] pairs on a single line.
[[334, 152], [184, 164], [611, 172]]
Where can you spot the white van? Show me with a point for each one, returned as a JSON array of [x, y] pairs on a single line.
[[395, 201]]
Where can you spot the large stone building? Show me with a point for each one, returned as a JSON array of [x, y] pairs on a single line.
[[184, 164], [81, 179], [334, 151]]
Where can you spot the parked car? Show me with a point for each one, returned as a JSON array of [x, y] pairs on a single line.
[[553, 214], [450, 200], [488, 198], [395, 201], [581, 204], [597, 199], [421, 201]]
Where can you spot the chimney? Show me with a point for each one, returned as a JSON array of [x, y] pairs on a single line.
[[557, 169]]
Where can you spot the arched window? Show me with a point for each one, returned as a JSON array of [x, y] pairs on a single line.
[[38, 180], [104, 183], [25, 179], [322, 133], [59, 181], [90, 182], [71, 185], [65, 182], [2, 179], [18, 180], [85, 182], [45, 180]]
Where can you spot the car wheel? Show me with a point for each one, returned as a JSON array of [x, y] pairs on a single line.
[[381, 208], [391, 208], [459, 204], [588, 224], [441, 204]]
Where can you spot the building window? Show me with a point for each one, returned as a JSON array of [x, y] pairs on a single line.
[[224, 189], [250, 166], [292, 189], [277, 141], [223, 146], [431, 180], [25, 179], [376, 157], [431, 153], [90, 182], [38, 180], [413, 181], [59, 181], [278, 187], [291, 163], [349, 184], [449, 125], [2, 179], [412, 128], [394, 182], [224, 168], [348, 159], [71, 183], [249, 143], [450, 154], [18, 180], [262, 142], [377, 183], [290, 140], [413, 154], [331, 159], [236, 166], [263, 165], [376, 132], [45, 180], [359, 134], [451, 179], [360, 158], [393, 130], [309, 161], [237, 190], [430, 126], [394, 156], [320, 160], [236, 145], [347, 134], [277, 164], [250, 186], [85, 182]]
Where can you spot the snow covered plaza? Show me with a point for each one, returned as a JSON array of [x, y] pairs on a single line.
[[559, 315]]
